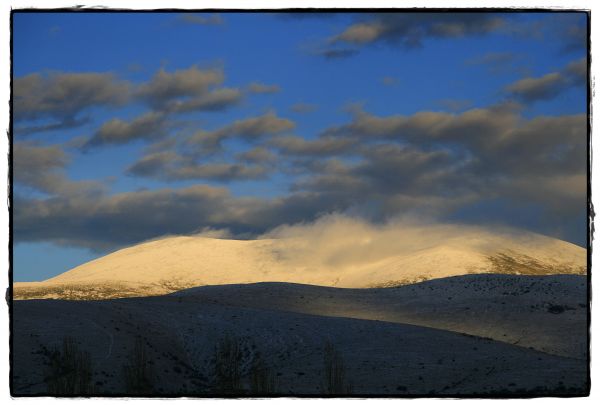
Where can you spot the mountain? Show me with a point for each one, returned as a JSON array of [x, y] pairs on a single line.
[[355, 261]]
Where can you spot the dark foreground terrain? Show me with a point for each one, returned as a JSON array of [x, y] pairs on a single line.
[[476, 335]]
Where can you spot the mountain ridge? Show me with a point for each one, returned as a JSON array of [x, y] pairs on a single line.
[[176, 263]]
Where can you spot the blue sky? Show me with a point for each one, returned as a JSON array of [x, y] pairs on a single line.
[[476, 118]]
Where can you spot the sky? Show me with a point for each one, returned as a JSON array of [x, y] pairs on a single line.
[[133, 126]]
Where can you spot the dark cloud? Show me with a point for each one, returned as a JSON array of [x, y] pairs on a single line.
[[200, 19], [165, 86], [67, 123], [260, 88], [62, 96], [574, 37], [148, 126], [216, 100], [497, 136], [568, 30], [42, 168], [249, 129], [153, 164], [410, 29], [430, 127], [296, 145], [481, 154], [36, 166], [427, 163], [187, 159], [224, 172], [577, 71], [170, 166], [539, 88], [259, 155], [114, 221], [191, 89], [549, 86]]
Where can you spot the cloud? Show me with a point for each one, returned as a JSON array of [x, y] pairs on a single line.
[[260, 88], [67, 123], [133, 216], [574, 37], [337, 240], [248, 129], [216, 100], [408, 30], [497, 137], [549, 86], [296, 145], [62, 96], [428, 126], [191, 89], [217, 171], [200, 19], [153, 164], [427, 164], [34, 164], [148, 126], [303, 108], [171, 166], [568, 30], [165, 86], [577, 71], [258, 154], [109, 222], [436, 163], [539, 88], [42, 168]]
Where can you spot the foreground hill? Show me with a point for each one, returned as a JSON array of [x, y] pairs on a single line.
[[546, 313], [177, 263], [520, 336]]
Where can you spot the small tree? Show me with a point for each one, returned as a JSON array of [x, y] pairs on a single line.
[[228, 358], [335, 372], [69, 371], [262, 378], [138, 373]]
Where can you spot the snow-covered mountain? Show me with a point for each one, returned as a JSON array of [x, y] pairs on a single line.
[[358, 260]]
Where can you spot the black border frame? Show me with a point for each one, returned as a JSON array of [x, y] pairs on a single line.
[[107, 10]]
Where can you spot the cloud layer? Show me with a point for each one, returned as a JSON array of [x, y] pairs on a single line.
[[197, 155]]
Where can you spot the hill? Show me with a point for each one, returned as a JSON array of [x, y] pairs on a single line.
[[176, 263]]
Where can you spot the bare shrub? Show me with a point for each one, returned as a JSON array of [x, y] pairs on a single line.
[[138, 373], [335, 372], [227, 360], [262, 377], [69, 371]]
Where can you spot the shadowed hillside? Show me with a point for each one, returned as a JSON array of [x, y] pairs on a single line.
[[289, 339]]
